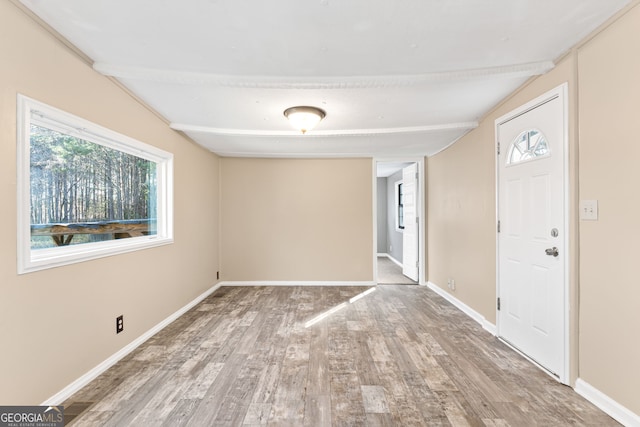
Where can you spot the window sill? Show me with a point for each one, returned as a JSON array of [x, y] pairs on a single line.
[[57, 257]]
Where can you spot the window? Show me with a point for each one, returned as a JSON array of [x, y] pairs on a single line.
[[529, 145], [399, 207], [86, 192]]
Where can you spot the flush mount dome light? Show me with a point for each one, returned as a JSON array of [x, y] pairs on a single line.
[[304, 118]]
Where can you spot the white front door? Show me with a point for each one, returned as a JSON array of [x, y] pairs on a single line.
[[532, 238], [410, 240]]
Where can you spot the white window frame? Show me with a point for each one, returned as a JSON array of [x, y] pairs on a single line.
[[512, 147], [32, 111], [396, 186]]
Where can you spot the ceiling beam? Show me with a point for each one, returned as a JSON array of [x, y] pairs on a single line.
[[324, 133], [327, 82]]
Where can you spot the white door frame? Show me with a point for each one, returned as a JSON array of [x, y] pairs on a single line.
[[562, 93], [411, 231], [420, 209]]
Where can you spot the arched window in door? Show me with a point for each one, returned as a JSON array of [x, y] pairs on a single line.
[[529, 145]]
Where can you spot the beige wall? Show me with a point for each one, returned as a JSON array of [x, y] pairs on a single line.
[[462, 204], [604, 77], [57, 324], [609, 100], [297, 220], [461, 219]]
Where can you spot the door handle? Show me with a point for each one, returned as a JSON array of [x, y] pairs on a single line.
[[552, 251]]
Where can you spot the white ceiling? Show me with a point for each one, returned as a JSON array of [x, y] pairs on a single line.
[[396, 77]]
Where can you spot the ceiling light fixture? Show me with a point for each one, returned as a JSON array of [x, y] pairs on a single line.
[[304, 118]]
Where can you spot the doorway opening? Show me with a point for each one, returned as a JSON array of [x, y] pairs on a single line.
[[398, 210]]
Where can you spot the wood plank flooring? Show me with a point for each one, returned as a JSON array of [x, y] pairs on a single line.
[[399, 356]]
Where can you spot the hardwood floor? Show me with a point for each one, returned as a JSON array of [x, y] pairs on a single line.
[[399, 356]]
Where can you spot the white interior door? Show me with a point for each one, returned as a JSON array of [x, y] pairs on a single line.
[[410, 242], [532, 231]]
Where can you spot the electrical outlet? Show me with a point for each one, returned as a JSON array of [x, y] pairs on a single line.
[[119, 324], [390, 248], [589, 210], [217, 275], [451, 284]]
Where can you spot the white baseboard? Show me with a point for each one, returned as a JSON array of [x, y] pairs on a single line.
[[69, 390], [488, 326], [295, 283], [607, 404]]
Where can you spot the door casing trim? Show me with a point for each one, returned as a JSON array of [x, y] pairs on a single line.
[[561, 92], [421, 211]]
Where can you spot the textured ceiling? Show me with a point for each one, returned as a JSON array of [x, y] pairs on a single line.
[[396, 78]]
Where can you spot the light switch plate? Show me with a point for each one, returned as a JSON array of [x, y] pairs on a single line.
[[589, 210]]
